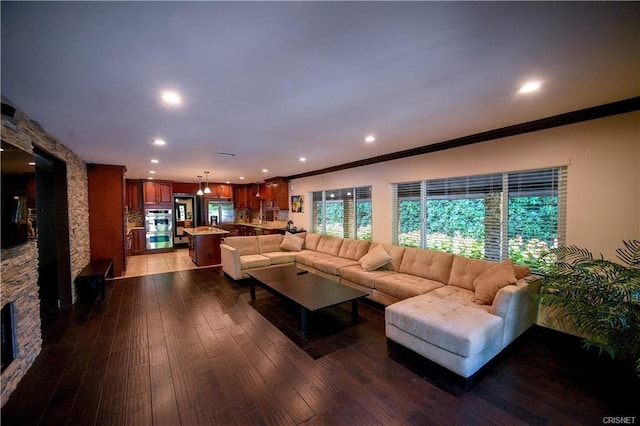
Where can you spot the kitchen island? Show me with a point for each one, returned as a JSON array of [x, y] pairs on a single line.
[[204, 245]]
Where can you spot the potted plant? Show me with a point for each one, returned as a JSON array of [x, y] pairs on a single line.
[[599, 298]]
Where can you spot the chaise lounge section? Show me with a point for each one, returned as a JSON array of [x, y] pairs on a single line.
[[456, 311]]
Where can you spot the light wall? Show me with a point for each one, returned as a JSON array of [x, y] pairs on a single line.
[[603, 193]]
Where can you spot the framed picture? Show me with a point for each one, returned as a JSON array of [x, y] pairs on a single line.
[[297, 203]]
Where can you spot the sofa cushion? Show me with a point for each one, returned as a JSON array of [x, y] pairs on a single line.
[[403, 286], [353, 249], [254, 261], [356, 275], [244, 245], [311, 241], [521, 271], [291, 242], [376, 258], [450, 323], [269, 243], [308, 257], [464, 270], [332, 265], [329, 245], [279, 257], [396, 253], [492, 280], [425, 263]]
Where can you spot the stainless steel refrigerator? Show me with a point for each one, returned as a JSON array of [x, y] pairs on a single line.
[[219, 212]]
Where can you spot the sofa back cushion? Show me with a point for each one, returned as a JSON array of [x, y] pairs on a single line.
[[269, 243], [396, 253], [425, 263], [353, 249], [329, 245], [244, 245], [464, 270], [311, 241], [291, 242]]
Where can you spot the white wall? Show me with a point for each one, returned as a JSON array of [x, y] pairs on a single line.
[[603, 158]]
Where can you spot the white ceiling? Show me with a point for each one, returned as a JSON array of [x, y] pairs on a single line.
[[272, 81]]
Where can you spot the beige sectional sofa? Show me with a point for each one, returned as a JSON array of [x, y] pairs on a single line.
[[455, 311]]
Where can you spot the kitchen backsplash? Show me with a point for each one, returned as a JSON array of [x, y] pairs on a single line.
[[135, 218]]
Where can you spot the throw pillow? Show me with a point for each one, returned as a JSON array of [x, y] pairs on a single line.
[[488, 283], [291, 243], [375, 259]]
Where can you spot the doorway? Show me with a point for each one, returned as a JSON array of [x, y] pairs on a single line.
[[185, 214], [54, 255]]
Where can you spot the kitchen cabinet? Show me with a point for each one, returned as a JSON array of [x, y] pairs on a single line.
[[107, 221], [240, 197], [276, 194], [220, 190], [137, 242], [157, 193], [133, 195]]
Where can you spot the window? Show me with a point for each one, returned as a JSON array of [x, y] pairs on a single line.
[[342, 212], [517, 215]]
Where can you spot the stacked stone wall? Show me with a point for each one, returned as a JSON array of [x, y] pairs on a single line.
[[19, 265]]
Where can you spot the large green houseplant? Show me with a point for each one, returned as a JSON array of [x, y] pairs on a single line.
[[598, 297]]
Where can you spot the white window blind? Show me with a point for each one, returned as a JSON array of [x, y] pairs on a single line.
[[344, 212], [519, 215]]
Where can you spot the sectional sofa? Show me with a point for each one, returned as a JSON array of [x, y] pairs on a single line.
[[456, 311]]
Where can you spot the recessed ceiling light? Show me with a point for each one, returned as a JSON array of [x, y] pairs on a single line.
[[159, 142], [150, 178], [228, 182], [370, 138], [264, 170], [302, 159], [172, 98], [154, 161], [153, 172], [241, 177], [529, 87]]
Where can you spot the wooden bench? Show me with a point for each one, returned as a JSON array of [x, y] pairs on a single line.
[[91, 279]]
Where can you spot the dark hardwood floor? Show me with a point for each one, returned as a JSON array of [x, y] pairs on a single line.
[[189, 348]]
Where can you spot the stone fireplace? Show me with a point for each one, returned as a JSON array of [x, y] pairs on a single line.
[[19, 287]]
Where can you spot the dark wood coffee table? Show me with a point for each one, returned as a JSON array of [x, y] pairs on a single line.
[[312, 292]]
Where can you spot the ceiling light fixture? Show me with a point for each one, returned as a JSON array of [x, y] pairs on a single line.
[[370, 139], [302, 159], [171, 98], [150, 178], [32, 163], [241, 177], [199, 191], [154, 161], [530, 87], [153, 172], [264, 170], [207, 190], [159, 142]]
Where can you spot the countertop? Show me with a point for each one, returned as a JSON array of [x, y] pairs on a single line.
[[265, 225], [205, 231], [131, 228]]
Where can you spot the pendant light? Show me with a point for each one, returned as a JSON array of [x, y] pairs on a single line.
[[258, 193], [199, 186], [207, 190]]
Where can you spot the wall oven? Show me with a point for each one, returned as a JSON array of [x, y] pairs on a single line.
[[158, 224]]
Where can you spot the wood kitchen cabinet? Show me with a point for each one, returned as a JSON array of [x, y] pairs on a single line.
[[157, 193], [107, 221], [137, 242], [276, 194], [240, 197], [133, 188], [220, 190]]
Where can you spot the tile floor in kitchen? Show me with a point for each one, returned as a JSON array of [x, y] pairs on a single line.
[[148, 264]]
